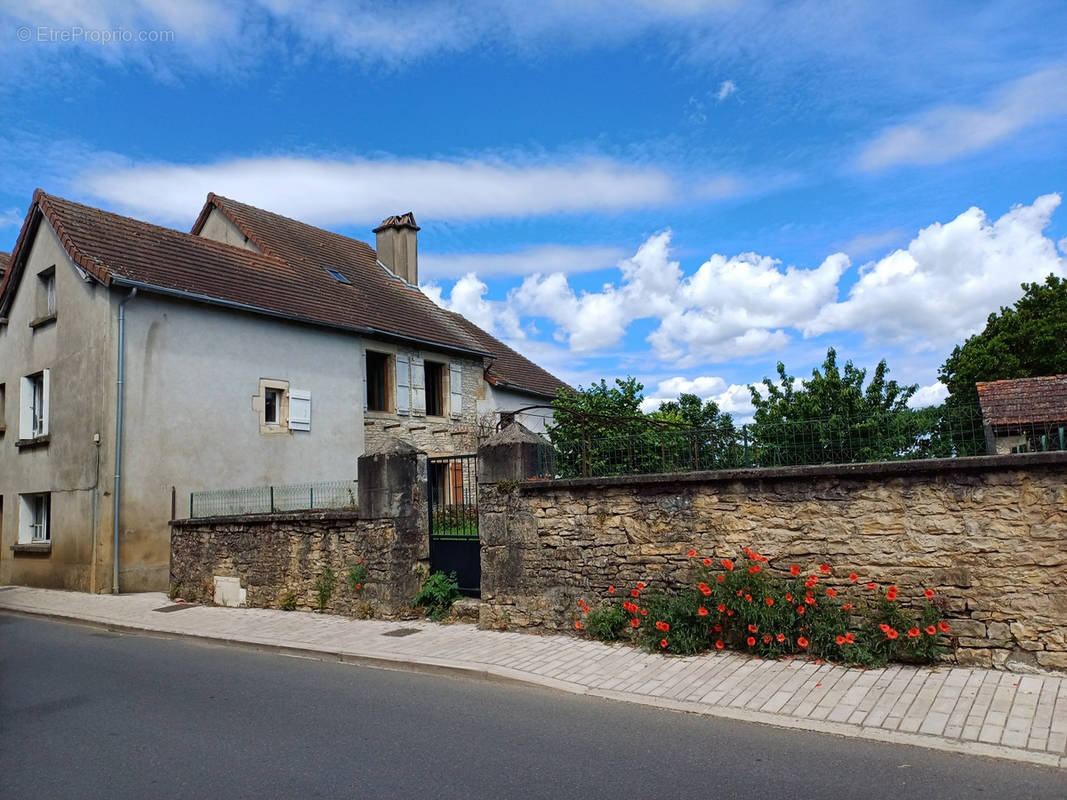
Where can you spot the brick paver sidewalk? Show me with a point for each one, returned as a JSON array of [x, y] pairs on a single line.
[[985, 712]]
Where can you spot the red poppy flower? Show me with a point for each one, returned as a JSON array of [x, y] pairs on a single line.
[[359, 586], [800, 609], [754, 569], [769, 601], [824, 569], [853, 577], [810, 599], [721, 608], [581, 603], [831, 593], [719, 645], [789, 598], [767, 638], [644, 612], [794, 570], [884, 628], [729, 612], [577, 624], [716, 628], [740, 592], [751, 641], [839, 639], [704, 588], [611, 590], [914, 632], [872, 586], [943, 626], [892, 633], [846, 607], [753, 628], [850, 638], [720, 578], [780, 637], [585, 609], [802, 642], [634, 593], [727, 564], [931, 630], [928, 594], [635, 623], [662, 626], [891, 593], [748, 598], [692, 553], [702, 611], [640, 585], [662, 642], [707, 562]]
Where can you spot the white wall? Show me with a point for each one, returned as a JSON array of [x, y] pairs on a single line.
[[498, 399]]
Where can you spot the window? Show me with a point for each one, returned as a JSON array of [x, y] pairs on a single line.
[[337, 276], [377, 381], [3, 408], [272, 406], [46, 297], [435, 389], [33, 416], [34, 518]]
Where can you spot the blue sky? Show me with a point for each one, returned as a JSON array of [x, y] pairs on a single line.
[[683, 191]]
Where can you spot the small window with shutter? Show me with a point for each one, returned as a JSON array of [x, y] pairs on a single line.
[[299, 410], [435, 389], [377, 379]]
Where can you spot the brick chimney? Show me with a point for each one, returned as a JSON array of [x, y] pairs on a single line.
[[397, 246]]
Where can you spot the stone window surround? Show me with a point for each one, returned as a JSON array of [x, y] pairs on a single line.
[[259, 405]]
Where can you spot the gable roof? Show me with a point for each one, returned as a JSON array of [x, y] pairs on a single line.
[[1024, 400], [288, 279]]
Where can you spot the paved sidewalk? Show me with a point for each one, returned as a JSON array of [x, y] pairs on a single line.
[[976, 711]]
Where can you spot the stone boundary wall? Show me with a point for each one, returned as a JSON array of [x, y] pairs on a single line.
[[988, 534], [275, 554]]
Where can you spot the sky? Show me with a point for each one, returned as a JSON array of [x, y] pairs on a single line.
[[683, 191]]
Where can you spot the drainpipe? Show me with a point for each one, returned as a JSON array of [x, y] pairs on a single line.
[[118, 435]]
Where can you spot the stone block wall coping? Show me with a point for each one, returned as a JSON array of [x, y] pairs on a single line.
[[314, 515], [1018, 461]]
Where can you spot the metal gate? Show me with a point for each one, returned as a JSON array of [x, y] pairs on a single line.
[[454, 543]]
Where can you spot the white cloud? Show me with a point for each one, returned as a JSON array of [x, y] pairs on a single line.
[[865, 243], [562, 259], [733, 398], [944, 285], [467, 298], [11, 218], [948, 132], [726, 88], [931, 395], [363, 191]]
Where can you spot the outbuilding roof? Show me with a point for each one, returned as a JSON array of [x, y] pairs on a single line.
[[1024, 400]]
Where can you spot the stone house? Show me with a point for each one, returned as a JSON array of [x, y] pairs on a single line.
[[1025, 414], [140, 363]]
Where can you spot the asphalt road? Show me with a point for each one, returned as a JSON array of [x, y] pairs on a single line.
[[85, 713]]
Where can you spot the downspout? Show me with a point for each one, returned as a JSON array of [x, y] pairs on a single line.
[[118, 436]]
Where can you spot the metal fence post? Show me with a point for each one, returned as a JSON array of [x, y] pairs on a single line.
[[271, 499]]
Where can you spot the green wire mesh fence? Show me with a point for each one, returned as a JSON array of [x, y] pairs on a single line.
[[919, 434], [269, 499]]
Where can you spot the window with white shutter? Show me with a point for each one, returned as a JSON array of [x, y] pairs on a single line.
[[33, 405], [455, 388], [418, 385], [299, 410], [403, 385]]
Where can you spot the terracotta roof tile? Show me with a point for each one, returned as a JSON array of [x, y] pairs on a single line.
[[1024, 400], [288, 278], [399, 221]]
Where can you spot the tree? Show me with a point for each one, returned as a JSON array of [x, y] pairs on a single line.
[[833, 418], [1026, 341], [589, 425], [700, 436]]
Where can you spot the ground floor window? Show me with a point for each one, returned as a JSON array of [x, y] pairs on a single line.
[[35, 518]]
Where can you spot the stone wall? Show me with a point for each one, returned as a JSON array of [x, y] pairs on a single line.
[[988, 534], [281, 559], [280, 555]]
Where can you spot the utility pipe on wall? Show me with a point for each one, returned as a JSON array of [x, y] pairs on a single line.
[[118, 434]]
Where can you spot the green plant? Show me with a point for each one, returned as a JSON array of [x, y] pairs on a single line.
[[437, 595], [607, 623], [356, 575], [748, 606], [324, 586], [287, 600], [506, 486], [175, 590]]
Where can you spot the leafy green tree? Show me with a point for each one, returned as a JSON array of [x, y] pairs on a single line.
[[1027, 340], [833, 418], [698, 434]]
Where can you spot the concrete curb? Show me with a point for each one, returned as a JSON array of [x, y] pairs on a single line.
[[505, 675]]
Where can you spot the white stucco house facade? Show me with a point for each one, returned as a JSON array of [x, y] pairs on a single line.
[[144, 363]]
